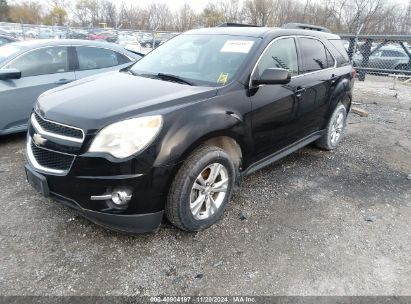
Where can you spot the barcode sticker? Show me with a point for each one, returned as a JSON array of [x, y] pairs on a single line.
[[237, 46]]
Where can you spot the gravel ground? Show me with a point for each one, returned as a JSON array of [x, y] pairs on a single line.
[[315, 223]]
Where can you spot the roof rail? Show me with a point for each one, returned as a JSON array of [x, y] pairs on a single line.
[[304, 26], [231, 24]]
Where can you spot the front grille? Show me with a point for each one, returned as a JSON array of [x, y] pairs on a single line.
[[57, 128], [50, 159]]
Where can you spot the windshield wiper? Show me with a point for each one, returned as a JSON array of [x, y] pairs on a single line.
[[174, 78], [163, 76], [130, 71]]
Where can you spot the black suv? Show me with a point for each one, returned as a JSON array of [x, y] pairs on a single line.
[[175, 132]]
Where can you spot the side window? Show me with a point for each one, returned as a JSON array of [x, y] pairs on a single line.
[[280, 54], [392, 53], [91, 58], [330, 59], [122, 59], [50, 60], [340, 52], [314, 55]]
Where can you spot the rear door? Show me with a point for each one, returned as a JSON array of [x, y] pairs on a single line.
[[95, 60], [317, 76], [42, 69]]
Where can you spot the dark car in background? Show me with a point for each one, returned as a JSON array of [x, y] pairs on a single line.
[[4, 39], [150, 42], [29, 68], [177, 130]]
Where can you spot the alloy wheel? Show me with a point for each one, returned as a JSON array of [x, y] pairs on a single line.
[[337, 128], [208, 191]]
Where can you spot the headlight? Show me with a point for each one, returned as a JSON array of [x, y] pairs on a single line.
[[127, 137]]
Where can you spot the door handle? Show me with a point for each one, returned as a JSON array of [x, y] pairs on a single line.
[[300, 91], [63, 81]]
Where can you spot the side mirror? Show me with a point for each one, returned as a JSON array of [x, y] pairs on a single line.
[[273, 76], [7, 74]]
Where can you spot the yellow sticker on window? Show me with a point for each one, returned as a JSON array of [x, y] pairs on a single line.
[[223, 78]]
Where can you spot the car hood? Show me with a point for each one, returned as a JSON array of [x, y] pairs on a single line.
[[94, 102]]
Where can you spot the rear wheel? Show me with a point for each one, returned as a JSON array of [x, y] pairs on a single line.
[[201, 189], [401, 67], [334, 130]]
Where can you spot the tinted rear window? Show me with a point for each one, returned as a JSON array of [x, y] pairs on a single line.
[[340, 52], [314, 55]]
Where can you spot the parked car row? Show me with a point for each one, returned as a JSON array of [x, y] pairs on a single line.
[[135, 39]]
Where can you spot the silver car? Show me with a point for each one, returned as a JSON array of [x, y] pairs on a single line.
[[30, 68], [387, 57]]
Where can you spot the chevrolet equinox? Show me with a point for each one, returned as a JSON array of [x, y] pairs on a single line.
[[176, 132]]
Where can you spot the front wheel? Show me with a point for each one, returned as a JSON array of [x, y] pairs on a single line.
[[201, 189], [334, 130]]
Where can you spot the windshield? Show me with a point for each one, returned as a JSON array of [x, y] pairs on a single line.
[[8, 50], [211, 60]]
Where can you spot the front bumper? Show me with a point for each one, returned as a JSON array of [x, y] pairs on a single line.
[[126, 223], [122, 220]]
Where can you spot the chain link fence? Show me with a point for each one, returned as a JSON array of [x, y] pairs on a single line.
[[379, 54]]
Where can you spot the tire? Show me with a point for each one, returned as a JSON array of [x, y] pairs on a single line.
[[401, 67], [334, 130], [189, 203]]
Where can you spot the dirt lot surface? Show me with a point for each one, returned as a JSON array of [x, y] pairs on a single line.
[[315, 223]]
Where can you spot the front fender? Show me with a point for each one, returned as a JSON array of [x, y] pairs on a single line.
[[188, 131]]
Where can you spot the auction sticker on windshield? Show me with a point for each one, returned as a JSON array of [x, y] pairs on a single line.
[[237, 46]]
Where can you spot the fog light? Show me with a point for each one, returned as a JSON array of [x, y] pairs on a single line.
[[121, 196]]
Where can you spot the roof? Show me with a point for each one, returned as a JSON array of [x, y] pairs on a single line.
[[51, 42], [33, 44], [259, 32], [236, 31]]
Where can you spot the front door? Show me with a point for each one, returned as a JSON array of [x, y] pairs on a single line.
[[274, 106]]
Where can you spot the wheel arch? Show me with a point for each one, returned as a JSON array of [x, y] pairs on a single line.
[[341, 94], [346, 101]]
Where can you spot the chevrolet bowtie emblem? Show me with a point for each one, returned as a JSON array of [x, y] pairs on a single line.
[[39, 140]]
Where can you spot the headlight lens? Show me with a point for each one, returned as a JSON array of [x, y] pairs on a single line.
[[125, 138]]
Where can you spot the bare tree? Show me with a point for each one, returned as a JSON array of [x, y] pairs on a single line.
[[230, 10], [212, 15], [259, 12], [108, 13], [185, 18], [377, 16]]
